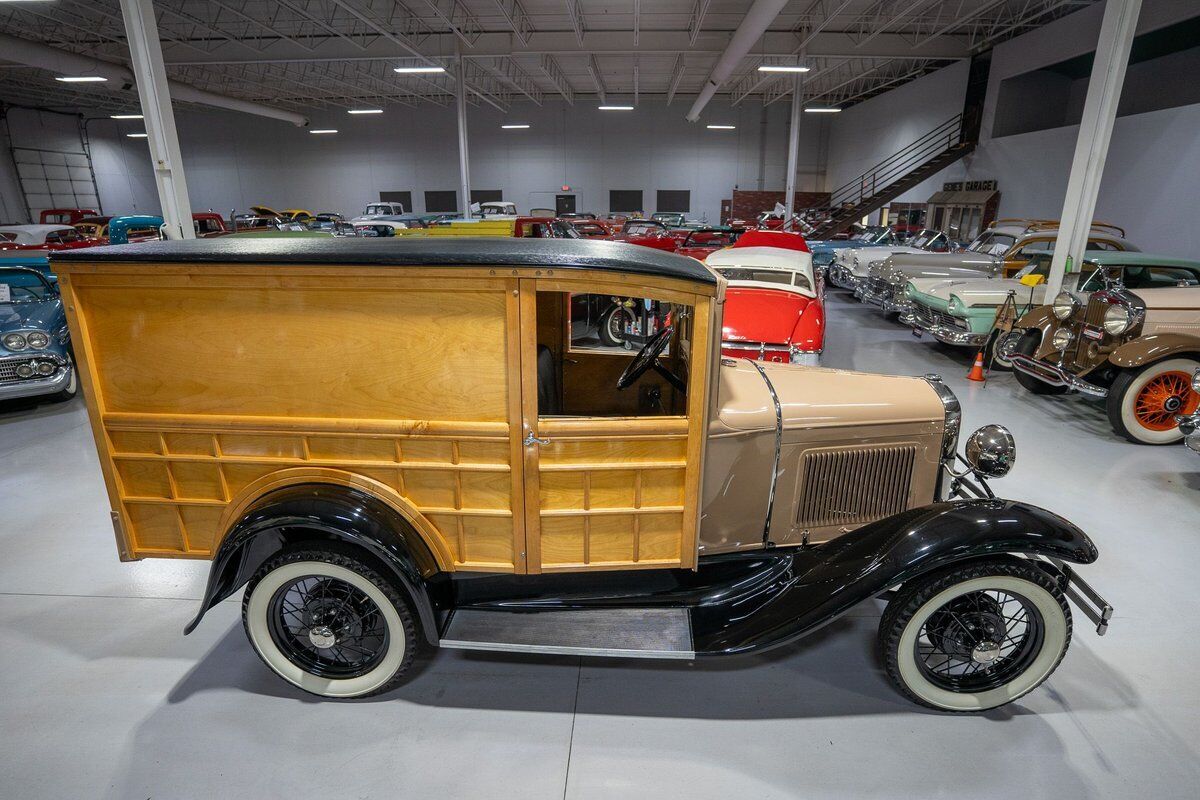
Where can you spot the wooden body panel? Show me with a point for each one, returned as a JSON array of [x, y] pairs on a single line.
[[210, 384]]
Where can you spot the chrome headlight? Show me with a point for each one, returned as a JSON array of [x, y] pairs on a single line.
[[14, 341], [1062, 339], [1117, 319], [1064, 305], [910, 290], [25, 371], [1196, 382], [991, 451], [38, 340], [955, 306]]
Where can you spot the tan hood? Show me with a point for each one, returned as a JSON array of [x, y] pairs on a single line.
[[813, 398], [1171, 309]]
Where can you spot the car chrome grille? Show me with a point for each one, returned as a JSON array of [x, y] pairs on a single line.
[[932, 316], [854, 486], [879, 286]]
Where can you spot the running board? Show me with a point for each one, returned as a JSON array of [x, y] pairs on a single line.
[[618, 632]]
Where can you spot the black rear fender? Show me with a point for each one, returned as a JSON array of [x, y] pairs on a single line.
[[829, 579], [334, 517]]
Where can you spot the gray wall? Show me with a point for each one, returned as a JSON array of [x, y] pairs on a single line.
[[236, 160], [1153, 166]]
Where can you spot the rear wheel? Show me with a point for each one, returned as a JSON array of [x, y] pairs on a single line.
[[613, 325], [1028, 345], [976, 636], [329, 624], [1142, 404]]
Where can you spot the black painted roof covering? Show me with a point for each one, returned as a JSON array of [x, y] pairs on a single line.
[[404, 251]]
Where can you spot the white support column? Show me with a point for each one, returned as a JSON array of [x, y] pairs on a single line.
[[793, 150], [1095, 131], [464, 170], [146, 53]]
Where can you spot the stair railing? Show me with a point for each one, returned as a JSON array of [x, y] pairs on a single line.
[[909, 158]]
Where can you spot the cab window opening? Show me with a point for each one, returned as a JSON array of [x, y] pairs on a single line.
[[589, 343]]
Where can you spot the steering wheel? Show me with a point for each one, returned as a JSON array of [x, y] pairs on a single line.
[[646, 358]]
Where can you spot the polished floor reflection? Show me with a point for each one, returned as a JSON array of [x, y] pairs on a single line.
[[105, 698]]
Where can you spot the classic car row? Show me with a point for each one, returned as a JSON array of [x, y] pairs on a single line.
[[551, 446], [1125, 328]]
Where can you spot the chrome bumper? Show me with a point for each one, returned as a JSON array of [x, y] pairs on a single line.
[[1055, 375], [1189, 426], [841, 277], [36, 387], [885, 302], [943, 333]]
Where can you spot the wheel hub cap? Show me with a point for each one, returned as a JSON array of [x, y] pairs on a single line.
[[985, 652], [1173, 403], [322, 637]]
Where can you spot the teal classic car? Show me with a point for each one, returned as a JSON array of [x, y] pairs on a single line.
[[35, 345], [962, 312]]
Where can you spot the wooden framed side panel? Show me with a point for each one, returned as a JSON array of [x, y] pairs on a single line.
[[203, 384], [614, 492]]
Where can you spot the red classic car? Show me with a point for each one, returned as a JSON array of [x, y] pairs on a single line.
[[42, 237], [703, 242], [648, 233], [774, 306], [590, 228], [65, 216]]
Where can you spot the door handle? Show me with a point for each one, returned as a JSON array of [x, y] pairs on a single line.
[[531, 440]]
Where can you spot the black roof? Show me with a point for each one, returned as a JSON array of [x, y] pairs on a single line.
[[404, 251]]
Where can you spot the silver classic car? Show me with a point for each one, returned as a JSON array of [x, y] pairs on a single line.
[[850, 265]]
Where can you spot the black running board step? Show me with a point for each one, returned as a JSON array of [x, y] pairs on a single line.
[[616, 632]]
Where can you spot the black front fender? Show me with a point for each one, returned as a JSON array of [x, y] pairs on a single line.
[[825, 581], [334, 517]]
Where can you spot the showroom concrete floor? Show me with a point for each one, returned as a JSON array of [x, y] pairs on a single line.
[[101, 696]]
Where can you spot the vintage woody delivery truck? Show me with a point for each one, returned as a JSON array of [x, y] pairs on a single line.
[[404, 443]]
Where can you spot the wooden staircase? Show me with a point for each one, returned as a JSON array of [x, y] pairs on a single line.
[[887, 180]]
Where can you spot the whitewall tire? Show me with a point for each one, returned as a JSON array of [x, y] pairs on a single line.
[[330, 624], [1142, 404], [983, 666]]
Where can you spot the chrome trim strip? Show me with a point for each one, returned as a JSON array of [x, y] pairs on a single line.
[[1055, 375], [778, 450], [547, 649]]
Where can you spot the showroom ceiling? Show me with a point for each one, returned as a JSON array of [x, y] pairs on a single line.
[[304, 55]]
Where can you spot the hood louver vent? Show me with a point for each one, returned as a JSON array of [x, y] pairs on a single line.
[[854, 486]]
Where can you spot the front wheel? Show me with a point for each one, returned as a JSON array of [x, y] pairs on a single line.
[[329, 624], [974, 637], [1142, 404]]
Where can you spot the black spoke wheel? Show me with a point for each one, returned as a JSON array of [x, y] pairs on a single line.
[[979, 641], [328, 627], [332, 623], [975, 636]]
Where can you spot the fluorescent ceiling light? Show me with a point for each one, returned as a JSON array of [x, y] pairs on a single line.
[[323, 130], [418, 70], [721, 127], [125, 116], [782, 68], [364, 111], [137, 135], [615, 108], [81, 79], [514, 127], [822, 110]]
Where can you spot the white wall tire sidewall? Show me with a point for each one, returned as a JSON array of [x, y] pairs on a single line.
[[1129, 418], [257, 626], [1053, 643]]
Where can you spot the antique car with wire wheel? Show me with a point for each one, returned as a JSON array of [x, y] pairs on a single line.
[[35, 344], [1189, 424], [964, 312], [1135, 347], [774, 303], [414, 451]]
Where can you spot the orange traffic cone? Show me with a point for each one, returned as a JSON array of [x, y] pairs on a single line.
[[976, 373]]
